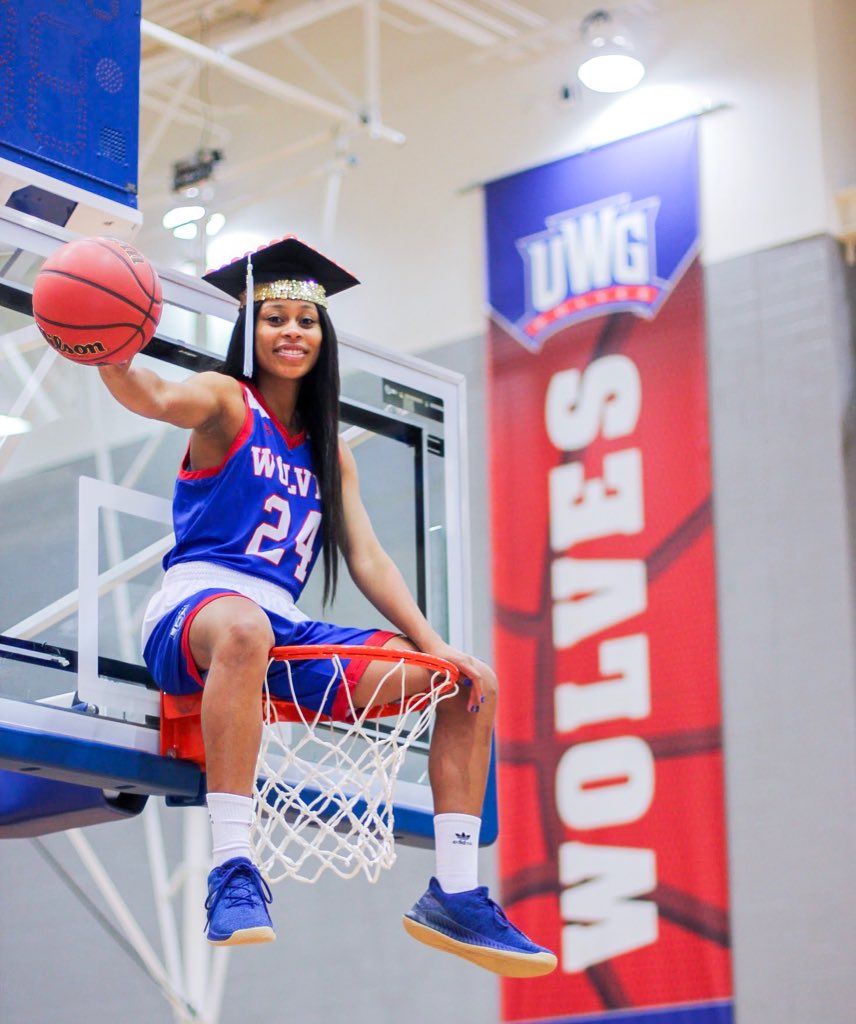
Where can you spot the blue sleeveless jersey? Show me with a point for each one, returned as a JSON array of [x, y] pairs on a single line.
[[259, 511]]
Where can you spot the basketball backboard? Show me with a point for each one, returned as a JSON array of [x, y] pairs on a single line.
[[85, 493]]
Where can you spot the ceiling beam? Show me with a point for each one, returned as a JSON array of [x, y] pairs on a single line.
[[488, 21], [163, 67], [446, 19], [261, 80]]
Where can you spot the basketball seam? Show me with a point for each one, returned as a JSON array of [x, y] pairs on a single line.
[[50, 271], [129, 266], [122, 347], [150, 315], [89, 327]]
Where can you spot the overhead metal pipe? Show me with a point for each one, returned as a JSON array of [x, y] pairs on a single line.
[[260, 80]]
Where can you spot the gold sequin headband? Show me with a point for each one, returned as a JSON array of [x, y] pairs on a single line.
[[303, 291]]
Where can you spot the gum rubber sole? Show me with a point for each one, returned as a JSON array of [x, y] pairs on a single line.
[[506, 963], [246, 937]]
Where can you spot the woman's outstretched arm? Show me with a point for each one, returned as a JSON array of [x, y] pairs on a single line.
[[202, 399]]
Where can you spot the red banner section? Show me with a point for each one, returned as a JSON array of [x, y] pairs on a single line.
[[612, 843]]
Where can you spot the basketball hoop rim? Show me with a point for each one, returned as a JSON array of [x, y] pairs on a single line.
[[308, 652], [347, 792], [446, 685]]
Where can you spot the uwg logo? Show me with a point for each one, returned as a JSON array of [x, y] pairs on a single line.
[[590, 260]]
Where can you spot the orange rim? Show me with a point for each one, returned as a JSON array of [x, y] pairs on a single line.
[[307, 652], [415, 701]]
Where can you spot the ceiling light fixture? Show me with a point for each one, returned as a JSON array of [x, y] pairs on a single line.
[[186, 222], [610, 64], [181, 215], [185, 231], [215, 224]]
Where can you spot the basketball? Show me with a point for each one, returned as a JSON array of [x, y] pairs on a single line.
[[97, 301]]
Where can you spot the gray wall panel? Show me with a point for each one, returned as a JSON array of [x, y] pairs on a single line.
[[780, 369]]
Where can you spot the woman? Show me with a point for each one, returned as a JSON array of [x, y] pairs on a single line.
[[264, 467]]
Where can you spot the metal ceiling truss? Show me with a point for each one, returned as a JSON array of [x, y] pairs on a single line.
[[169, 73]]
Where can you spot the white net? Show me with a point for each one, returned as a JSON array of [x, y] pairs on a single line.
[[325, 790]]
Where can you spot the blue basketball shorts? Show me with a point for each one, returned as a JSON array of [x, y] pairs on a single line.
[[167, 655]]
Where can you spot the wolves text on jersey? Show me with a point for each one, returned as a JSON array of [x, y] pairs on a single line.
[[295, 479]]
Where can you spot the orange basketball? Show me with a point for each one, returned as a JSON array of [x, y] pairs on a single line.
[[97, 300]]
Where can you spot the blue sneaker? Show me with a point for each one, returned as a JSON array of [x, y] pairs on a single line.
[[237, 914], [471, 925]]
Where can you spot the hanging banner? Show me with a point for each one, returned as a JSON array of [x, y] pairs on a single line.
[[612, 837]]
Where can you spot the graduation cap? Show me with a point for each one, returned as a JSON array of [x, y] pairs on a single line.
[[284, 269]]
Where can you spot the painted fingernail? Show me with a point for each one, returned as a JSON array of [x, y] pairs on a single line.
[[482, 699]]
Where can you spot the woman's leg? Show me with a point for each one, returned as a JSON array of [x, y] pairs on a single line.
[[230, 639], [455, 914], [459, 757]]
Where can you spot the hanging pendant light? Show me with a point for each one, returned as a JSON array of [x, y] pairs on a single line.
[[610, 63]]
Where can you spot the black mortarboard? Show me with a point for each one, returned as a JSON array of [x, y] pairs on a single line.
[[280, 263], [284, 269]]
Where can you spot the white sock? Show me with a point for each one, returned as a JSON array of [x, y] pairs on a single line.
[[456, 847], [231, 816]]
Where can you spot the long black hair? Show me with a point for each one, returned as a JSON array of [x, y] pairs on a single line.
[[318, 411]]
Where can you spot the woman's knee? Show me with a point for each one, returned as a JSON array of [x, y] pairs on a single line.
[[236, 632], [246, 635]]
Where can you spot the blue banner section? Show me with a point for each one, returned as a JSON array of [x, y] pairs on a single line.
[[610, 230], [69, 92], [707, 1013]]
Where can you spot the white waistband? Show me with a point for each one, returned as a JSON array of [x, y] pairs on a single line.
[[186, 578]]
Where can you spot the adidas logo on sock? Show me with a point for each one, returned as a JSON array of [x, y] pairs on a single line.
[[462, 839]]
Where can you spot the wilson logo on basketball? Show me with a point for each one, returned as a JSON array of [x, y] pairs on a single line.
[[134, 255], [91, 348]]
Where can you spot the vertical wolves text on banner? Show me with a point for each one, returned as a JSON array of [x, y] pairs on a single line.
[[612, 843]]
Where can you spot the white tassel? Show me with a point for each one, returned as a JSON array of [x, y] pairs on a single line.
[[249, 322]]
